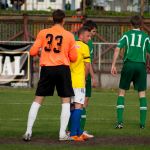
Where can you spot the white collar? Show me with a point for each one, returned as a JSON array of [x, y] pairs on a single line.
[[136, 29]]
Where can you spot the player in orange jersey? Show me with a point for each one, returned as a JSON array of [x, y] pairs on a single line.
[[80, 19], [57, 51]]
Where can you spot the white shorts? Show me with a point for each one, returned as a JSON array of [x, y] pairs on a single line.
[[79, 95]]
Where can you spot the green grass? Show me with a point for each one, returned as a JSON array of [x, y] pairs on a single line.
[[101, 118]]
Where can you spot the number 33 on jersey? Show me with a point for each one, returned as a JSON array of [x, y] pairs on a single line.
[[50, 43]]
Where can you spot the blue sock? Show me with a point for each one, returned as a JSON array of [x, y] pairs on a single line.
[[79, 129], [75, 122], [69, 123]]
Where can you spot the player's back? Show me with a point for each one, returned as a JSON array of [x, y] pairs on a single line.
[[136, 41], [56, 44]]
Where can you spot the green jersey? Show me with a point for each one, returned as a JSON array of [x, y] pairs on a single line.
[[136, 44], [91, 47]]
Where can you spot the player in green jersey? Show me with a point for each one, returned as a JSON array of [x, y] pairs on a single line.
[[136, 43], [90, 81]]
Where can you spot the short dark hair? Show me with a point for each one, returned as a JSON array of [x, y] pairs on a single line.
[[83, 29], [78, 9], [58, 16], [136, 21], [90, 24]]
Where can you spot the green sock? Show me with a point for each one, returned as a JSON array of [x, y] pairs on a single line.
[[83, 119], [120, 109], [69, 125], [143, 110]]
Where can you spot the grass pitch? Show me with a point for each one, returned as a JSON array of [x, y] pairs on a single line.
[[101, 118]]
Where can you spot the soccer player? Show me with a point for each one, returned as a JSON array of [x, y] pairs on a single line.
[[90, 81], [136, 44], [79, 72], [93, 29], [57, 50], [79, 15]]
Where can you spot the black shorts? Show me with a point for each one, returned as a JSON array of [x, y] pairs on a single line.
[[55, 76]]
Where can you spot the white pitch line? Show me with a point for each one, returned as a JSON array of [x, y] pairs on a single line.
[[52, 104], [54, 119], [48, 104]]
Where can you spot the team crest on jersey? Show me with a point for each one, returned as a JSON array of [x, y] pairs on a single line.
[[77, 46]]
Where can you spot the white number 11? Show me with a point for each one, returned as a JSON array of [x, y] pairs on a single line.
[[133, 40]]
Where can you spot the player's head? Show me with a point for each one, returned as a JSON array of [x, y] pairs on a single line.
[[92, 26], [58, 16], [136, 21], [84, 34], [79, 12]]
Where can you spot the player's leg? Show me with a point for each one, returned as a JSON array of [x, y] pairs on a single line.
[[69, 123], [86, 103], [32, 117], [125, 80], [45, 88], [143, 108], [83, 114], [120, 108], [65, 91], [75, 118], [64, 117], [140, 85], [87, 96], [76, 131]]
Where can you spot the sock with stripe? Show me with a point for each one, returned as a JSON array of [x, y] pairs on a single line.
[[83, 119], [120, 109], [143, 110]]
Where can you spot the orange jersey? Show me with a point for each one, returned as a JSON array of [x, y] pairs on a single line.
[[57, 47]]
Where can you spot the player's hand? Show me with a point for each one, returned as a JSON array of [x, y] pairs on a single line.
[[113, 71], [39, 52], [94, 82]]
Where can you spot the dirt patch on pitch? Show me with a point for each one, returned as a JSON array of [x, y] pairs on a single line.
[[112, 140]]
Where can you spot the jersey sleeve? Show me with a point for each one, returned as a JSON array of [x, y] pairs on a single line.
[[37, 45], [91, 48], [122, 42], [72, 49], [148, 45], [86, 54], [76, 37]]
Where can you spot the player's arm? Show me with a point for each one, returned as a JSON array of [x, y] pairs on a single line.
[[72, 49], [87, 62], [87, 68], [94, 83], [35, 49], [121, 44], [115, 56], [148, 45]]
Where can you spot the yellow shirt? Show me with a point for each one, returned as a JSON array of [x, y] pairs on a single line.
[[78, 67]]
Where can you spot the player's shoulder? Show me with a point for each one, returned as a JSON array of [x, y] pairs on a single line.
[[127, 32], [82, 44], [68, 33], [144, 33], [43, 31]]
